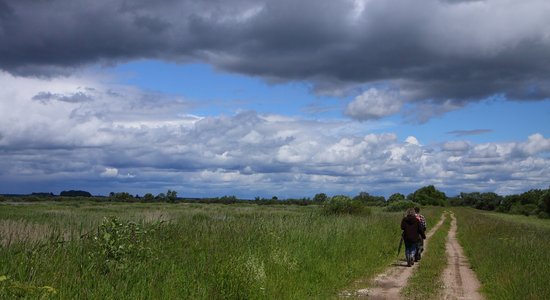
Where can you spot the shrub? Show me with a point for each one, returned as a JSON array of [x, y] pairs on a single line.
[[341, 204], [118, 244], [523, 209], [402, 205]]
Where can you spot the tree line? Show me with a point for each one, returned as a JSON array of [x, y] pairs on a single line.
[[533, 202]]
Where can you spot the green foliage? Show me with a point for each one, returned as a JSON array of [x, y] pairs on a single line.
[[15, 289], [524, 209], [171, 196], [485, 201], [532, 202], [396, 197], [320, 198], [428, 195], [122, 196], [148, 197], [118, 244], [401, 205], [73, 193], [342, 204], [544, 203], [370, 200]]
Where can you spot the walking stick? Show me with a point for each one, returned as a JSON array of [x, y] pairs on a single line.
[[400, 244]]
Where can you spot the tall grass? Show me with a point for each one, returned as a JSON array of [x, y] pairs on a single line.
[[511, 255], [426, 282], [201, 252]]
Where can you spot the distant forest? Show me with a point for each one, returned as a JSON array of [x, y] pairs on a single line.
[[533, 202]]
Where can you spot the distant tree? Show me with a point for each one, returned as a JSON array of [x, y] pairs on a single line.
[[321, 197], [341, 204], [428, 195], [531, 196], [485, 201], [274, 198], [122, 196], [73, 193], [544, 203], [396, 197], [368, 199], [43, 194], [227, 199], [148, 197], [171, 196]]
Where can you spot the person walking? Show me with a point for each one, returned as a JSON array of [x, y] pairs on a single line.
[[420, 245], [412, 233]]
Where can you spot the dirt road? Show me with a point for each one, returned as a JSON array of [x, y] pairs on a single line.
[[459, 281], [388, 285]]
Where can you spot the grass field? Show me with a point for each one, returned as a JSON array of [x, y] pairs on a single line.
[[201, 251], [510, 254]]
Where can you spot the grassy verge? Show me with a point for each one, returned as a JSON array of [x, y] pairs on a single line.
[[509, 254], [426, 281], [202, 252]]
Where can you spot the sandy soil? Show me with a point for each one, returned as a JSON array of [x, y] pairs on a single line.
[[388, 285], [459, 281]]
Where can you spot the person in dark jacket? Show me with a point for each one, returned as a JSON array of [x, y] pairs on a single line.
[[420, 246], [412, 233]]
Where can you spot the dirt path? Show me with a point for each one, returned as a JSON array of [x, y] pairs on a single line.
[[459, 281], [388, 285]]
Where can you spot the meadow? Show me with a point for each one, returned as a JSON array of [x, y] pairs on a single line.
[[510, 254], [87, 250]]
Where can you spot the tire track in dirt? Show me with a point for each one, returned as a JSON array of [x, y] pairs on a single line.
[[388, 285], [459, 281]]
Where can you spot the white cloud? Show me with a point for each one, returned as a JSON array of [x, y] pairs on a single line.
[[110, 172], [412, 140], [374, 104], [151, 143]]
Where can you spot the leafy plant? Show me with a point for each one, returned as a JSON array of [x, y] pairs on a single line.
[[119, 243]]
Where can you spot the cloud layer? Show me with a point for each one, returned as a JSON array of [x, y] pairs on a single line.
[[78, 132], [443, 52]]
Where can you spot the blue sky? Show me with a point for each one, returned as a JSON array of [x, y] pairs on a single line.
[[250, 98], [217, 92]]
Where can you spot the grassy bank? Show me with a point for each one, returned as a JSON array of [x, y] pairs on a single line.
[[200, 251], [426, 282], [510, 254]]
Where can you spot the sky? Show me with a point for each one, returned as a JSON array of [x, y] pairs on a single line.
[[274, 98]]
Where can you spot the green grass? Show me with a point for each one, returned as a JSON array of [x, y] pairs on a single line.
[[426, 281], [201, 252], [510, 254]]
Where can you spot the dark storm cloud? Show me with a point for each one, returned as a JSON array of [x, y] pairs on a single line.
[[453, 51]]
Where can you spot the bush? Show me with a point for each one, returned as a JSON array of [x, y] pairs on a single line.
[[402, 205], [525, 209], [119, 244], [341, 204]]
